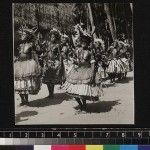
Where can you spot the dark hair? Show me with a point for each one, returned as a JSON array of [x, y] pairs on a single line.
[[56, 34], [86, 39], [30, 37]]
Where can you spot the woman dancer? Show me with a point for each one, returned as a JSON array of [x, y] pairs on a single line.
[[53, 65], [26, 67], [83, 82], [112, 68], [122, 60]]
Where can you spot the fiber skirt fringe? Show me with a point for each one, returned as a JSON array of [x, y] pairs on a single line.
[[53, 72], [25, 69], [27, 77], [112, 66], [80, 75], [83, 89], [28, 86], [118, 66], [102, 72], [83, 75], [126, 64]]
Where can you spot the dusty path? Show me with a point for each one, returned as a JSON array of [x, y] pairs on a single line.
[[115, 107]]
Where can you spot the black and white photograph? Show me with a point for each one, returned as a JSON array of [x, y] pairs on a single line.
[[73, 63]]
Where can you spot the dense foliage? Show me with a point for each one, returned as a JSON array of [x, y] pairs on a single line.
[[111, 20]]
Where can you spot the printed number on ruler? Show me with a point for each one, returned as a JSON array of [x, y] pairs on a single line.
[[59, 135], [107, 134], [123, 135], [10, 134], [24, 135], [75, 134], [42, 135]]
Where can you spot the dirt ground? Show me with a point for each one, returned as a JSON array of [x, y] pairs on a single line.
[[115, 107]]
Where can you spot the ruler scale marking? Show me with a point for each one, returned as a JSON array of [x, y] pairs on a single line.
[[75, 137]]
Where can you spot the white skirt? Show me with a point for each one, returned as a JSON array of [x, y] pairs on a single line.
[[126, 64], [83, 89], [27, 77], [118, 66], [112, 66], [28, 86], [27, 68]]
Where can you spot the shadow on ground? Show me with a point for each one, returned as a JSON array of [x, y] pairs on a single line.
[[24, 114], [107, 85], [58, 99], [125, 80], [100, 107]]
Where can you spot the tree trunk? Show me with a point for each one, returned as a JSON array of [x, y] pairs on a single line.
[[91, 19], [110, 22], [126, 21], [37, 17], [131, 6], [113, 19]]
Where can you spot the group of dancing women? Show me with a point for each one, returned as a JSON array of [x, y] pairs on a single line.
[[80, 67]]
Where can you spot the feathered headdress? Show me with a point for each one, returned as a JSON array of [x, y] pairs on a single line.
[[24, 28], [80, 30], [64, 36], [82, 34], [100, 41], [123, 43], [56, 32]]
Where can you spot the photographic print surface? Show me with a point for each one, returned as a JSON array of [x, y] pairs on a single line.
[[73, 63]]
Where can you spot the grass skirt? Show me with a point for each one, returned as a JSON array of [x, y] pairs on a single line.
[[112, 66], [27, 77], [28, 86], [85, 90], [79, 75], [126, 64], [118, 66], [53, 72], [102, 72], [26, 69], [78, 83]]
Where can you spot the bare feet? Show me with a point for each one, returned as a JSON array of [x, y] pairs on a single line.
[[24, 103]]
